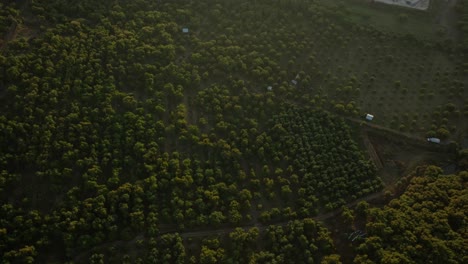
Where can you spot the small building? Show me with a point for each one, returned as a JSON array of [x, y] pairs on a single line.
[[269, 88], [433, 140], [294, 82], [185, 30], [369, 117]]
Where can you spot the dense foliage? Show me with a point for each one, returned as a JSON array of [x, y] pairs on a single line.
[[330, 166], [116, 128], [303, 241], [427, 224], [9, 17]]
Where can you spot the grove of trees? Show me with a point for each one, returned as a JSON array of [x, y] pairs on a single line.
[[120, 133], [427, 224]]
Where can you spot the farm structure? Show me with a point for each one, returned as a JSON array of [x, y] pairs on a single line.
[[416, 4]]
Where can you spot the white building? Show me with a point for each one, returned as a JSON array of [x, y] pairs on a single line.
[[417, 4], [369, 117]]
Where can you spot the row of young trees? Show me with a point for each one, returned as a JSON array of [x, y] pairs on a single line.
[[330, 166]]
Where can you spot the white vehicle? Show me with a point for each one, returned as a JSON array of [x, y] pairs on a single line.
[[433, 140]]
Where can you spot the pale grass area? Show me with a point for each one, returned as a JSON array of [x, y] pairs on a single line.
[[416, 4]]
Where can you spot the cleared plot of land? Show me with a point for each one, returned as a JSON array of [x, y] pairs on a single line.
[[391, 17], [408, 82], [416, 4]]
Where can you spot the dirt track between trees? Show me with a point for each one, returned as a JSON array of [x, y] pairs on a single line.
[[203, 232], [397, 136]]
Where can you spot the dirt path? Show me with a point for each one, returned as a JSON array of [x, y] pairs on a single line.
[[397, 136], [170, 229], [371, 150], [262, 227], [447, 18], [382, 128]]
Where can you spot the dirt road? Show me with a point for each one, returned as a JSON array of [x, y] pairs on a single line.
[[261, 227], [397, 136], [447, 18], [203, 232]]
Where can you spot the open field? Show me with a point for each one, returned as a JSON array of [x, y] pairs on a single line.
[[428, 24]]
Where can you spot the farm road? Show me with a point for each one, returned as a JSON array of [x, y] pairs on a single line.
[[397, 136], [168, 229]]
